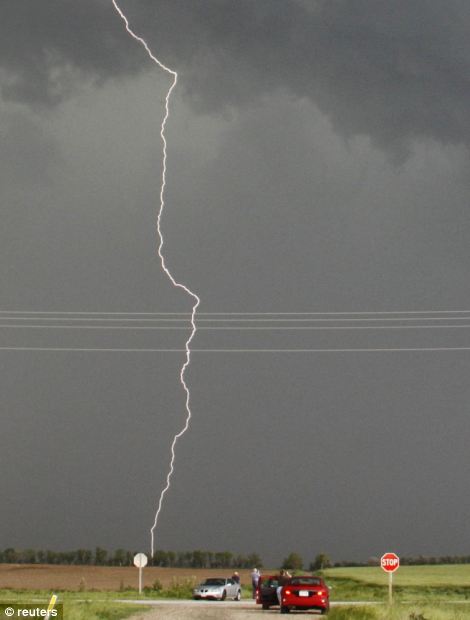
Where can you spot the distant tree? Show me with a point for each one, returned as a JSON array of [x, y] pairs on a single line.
[[293, 562], [67, 557], [254, 561], [119, 557], [227, 559], [41, 556], [83, 556], [239, 561], [51, 557], [321, 561], [218, 560], [29, 556], [160, 558], [199, 559], [100, 556], [10, 556]]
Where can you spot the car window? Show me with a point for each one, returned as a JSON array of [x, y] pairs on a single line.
[[305, 581], [267, 582], [214, 582]]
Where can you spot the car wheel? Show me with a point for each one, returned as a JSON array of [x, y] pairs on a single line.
[[325, 611], [238, 595], [265, 606], [224, 596], [284, 610]]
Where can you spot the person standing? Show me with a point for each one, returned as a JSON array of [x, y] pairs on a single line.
[[236, 577], [255, 574], [284, 577]]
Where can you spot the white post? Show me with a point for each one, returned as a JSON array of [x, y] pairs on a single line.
[[390, 585], [140, 560]]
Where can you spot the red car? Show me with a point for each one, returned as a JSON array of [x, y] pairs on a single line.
[[305, 592]]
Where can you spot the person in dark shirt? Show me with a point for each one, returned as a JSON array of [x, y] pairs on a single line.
[[284, 577]]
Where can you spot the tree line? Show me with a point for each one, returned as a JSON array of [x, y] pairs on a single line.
[[295, 562], [419, 560], [199, 559], [122, 557], [443, 559]]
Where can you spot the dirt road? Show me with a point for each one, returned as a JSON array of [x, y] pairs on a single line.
[[198, 610], [229, 610]]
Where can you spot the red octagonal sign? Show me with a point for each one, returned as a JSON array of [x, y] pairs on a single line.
[[390, 562]]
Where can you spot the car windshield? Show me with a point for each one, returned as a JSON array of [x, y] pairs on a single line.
[[214, 582], [305, 581]]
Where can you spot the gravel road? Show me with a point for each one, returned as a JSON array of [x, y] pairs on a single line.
[[199, 610]]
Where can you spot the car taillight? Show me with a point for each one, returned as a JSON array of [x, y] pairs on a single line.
[[287, 592], [321, 593]]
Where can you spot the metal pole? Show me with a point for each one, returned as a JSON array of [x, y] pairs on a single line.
[[140, 579], [390, 582]]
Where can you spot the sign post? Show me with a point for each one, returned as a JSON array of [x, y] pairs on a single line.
[[390, 563], [140, 560]]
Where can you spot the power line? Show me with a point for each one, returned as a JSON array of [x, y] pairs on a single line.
[[334, 350], [239, 328], [326, 313], [242, 320]]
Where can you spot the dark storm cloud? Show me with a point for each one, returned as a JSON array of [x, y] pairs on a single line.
[[395, 71], [45, 46]]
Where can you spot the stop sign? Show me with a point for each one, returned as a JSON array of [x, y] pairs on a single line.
[[390, 562]]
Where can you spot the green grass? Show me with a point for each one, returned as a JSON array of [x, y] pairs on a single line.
[[419, 592], [443, 575], [401, 612], [74, 610], [96, 605], [79, 605], [410, 584]]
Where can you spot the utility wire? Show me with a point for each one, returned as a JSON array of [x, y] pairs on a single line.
[[229, 328], [188, 314], [334, 350]]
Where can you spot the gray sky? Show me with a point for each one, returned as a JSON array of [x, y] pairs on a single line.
[[318, 162]]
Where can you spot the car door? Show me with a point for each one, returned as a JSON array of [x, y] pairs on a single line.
[[231, 590]]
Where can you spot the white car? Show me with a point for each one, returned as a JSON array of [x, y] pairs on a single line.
[[218, 588]]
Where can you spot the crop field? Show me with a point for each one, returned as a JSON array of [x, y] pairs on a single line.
[[76, 578]]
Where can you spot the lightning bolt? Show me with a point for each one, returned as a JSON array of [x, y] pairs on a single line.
[[197, 301]]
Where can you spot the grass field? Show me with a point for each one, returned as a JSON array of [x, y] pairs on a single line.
[[401, 611], [442, 575], [77, 606], [419, 592], [440, 584]]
